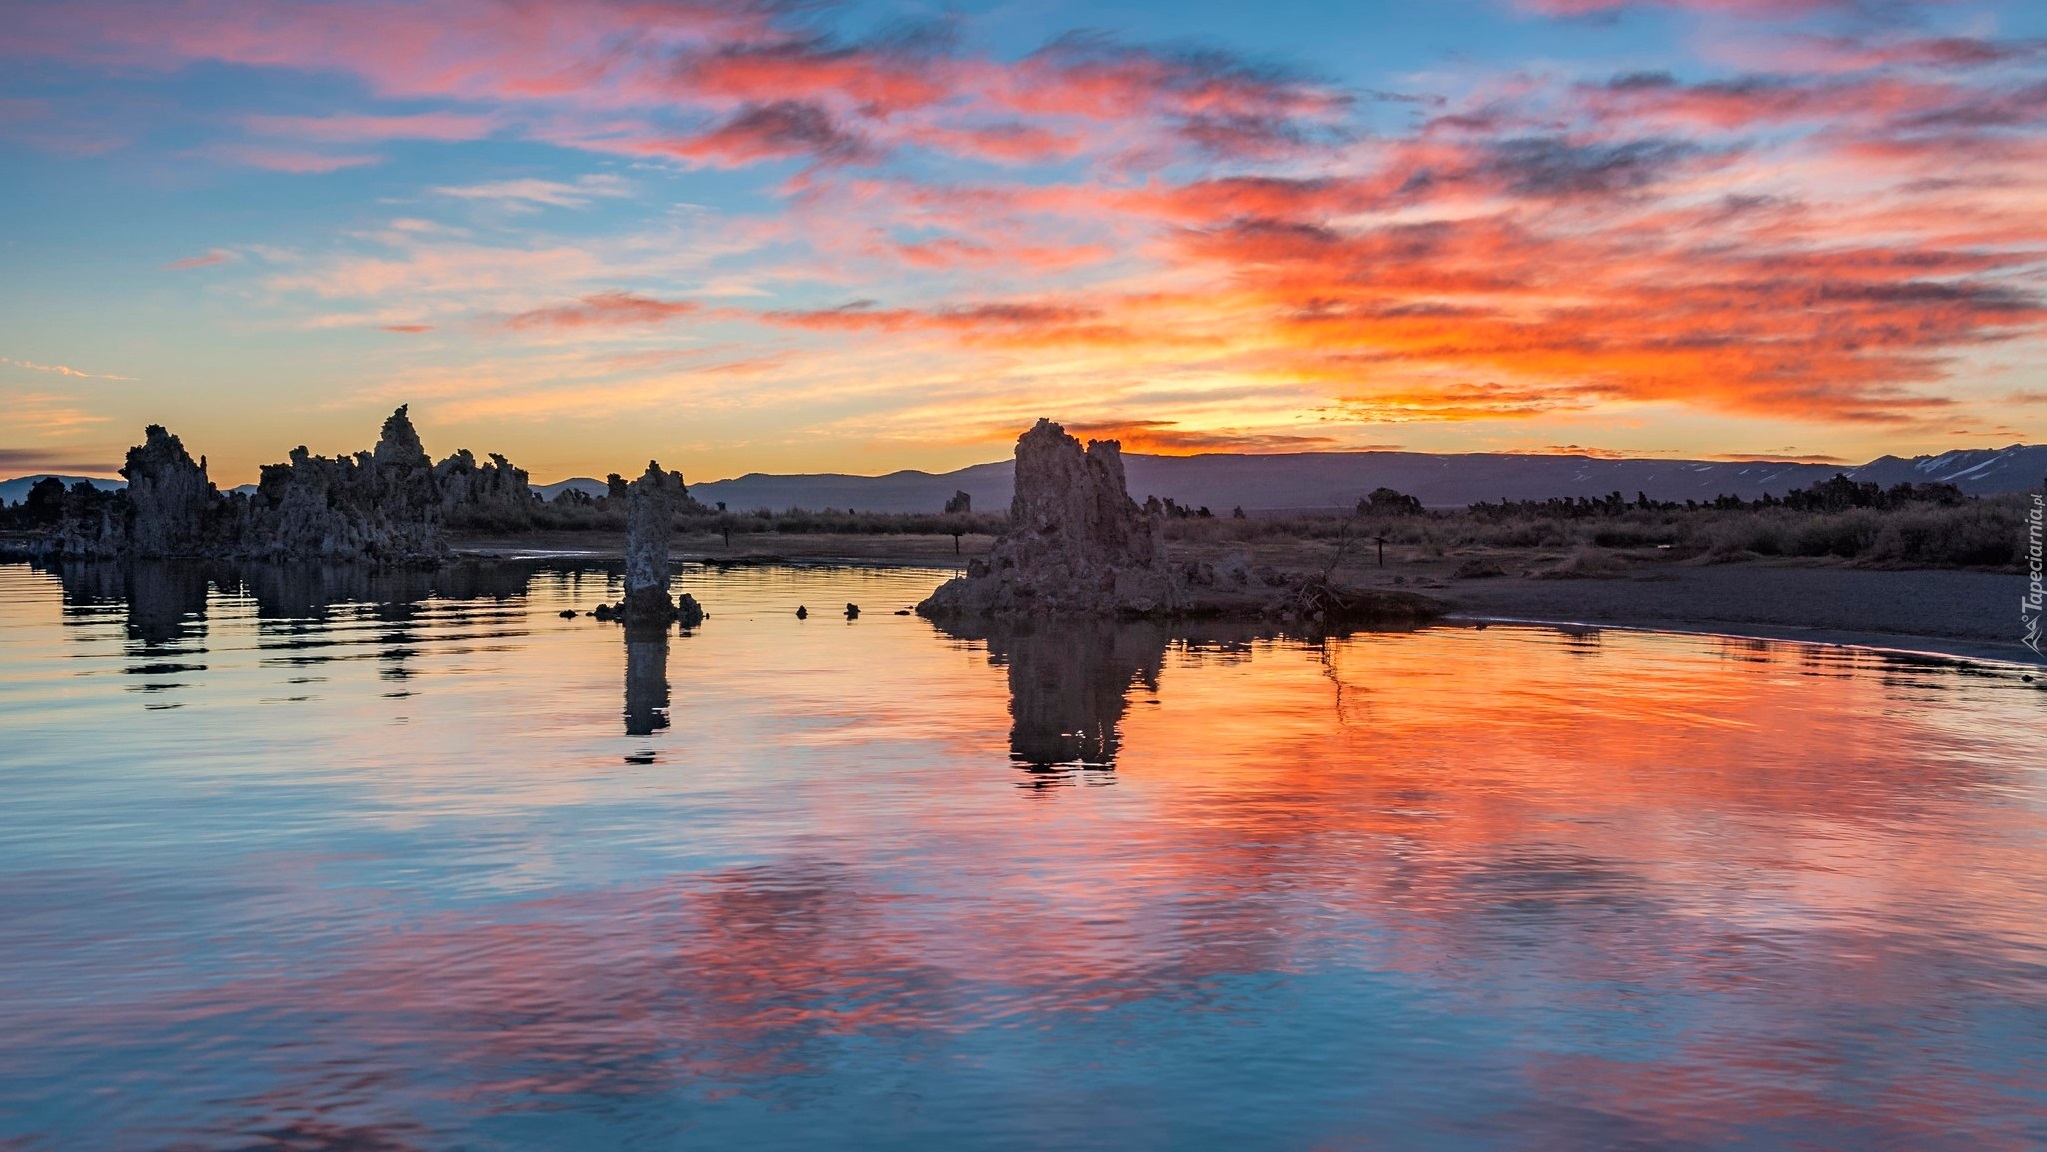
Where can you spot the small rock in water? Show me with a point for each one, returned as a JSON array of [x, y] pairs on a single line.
[[603, 612], [689, 613], [568, 613], [852, 611], [802, 613], [902, 611]]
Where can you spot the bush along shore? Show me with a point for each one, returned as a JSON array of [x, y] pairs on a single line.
[[393, 505]]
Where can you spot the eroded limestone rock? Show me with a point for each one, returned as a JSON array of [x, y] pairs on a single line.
[[381, 505], [171, 503], [1077, 544], [649, 521], [493, 494]]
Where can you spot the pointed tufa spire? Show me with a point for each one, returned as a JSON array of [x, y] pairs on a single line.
[[399, 442], [169, 496]]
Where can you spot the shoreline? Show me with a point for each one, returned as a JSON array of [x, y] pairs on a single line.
[[1934, 612], [1945, 613], [1937, 649]]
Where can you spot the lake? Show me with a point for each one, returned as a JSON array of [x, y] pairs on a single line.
[[327, 859]]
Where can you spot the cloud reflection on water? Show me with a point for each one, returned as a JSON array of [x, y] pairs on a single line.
[[1500, 889]]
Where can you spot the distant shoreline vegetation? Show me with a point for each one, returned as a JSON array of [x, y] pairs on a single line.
[[1840, 519]]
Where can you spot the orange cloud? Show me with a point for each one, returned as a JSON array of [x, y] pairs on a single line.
[[1168, 438]]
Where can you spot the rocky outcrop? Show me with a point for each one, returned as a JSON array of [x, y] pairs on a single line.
[[491, 493], [172, 506], [649, 521], [382, 505], [651, 503], [387, 505], [1077, 544]]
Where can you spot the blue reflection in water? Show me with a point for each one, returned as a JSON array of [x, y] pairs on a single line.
[[333, 859]]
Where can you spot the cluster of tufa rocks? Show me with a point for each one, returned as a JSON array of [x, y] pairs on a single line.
[[1077, 545], [385, 505]]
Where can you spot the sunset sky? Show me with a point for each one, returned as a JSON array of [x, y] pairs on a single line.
[[868, 236]]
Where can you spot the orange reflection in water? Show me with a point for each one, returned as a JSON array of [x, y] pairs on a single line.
[[1563, 889]]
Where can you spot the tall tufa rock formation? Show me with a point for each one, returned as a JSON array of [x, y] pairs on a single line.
[[1077, 544], [651, 504], [386, 505], [172, 506], [381, 505], [491, 491]]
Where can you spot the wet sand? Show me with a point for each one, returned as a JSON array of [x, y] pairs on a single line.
[[1959, 613]]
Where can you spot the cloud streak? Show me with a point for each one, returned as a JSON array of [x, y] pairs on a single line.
[[59, 369]]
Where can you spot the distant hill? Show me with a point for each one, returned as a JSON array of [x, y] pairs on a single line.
[[583, 484], [1308, 480], [12, 491]]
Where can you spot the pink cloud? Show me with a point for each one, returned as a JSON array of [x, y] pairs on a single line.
[[291, 160], [605, 310], [211, 256], [1825, 235], [1758, 8], [438, 126]]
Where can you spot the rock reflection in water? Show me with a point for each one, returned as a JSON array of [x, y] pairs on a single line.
[[298, 608], [1486, 890], [646, 680], [1069, 687], [166, 603]]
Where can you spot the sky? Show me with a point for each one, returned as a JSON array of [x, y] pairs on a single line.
[[810, 236]]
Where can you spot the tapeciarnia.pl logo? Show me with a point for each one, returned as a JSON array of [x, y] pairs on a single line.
[[2030, 607]]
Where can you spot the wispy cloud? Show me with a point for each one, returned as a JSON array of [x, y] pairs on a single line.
[[445, 127], [604, 309], [59, 369], [535, 192], [293, 160], [46, 414], [29, 461], [210, 257]]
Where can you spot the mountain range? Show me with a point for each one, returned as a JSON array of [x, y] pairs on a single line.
[[1312, 480]]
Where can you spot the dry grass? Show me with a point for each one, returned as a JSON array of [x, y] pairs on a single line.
[[1983, 533]]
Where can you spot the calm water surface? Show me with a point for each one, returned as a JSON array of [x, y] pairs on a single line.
[[318, 861]]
